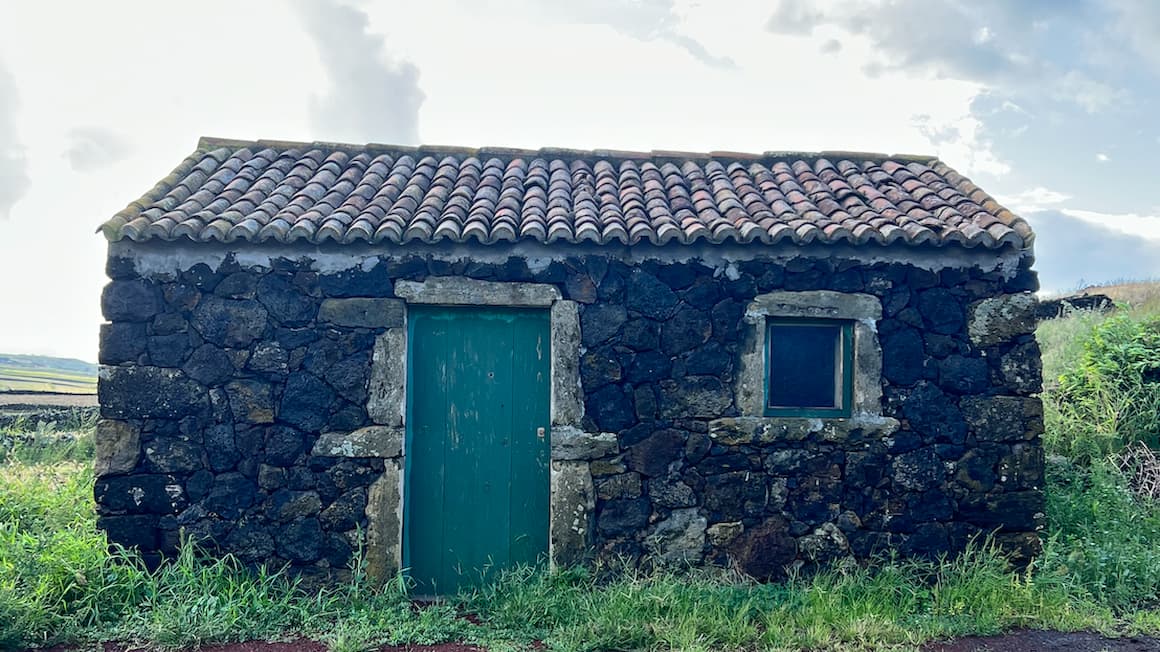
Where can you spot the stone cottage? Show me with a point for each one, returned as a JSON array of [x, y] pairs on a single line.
[[454, 360]]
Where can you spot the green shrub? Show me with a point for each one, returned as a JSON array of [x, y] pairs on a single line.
[[1101, 537], [1106, 393]]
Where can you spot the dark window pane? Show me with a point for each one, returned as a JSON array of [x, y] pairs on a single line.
[[803, 362]]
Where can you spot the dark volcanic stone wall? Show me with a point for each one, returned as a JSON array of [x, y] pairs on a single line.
[[216, 384]]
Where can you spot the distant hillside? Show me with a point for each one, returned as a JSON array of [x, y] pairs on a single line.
[[40, 373], [1137, 293]]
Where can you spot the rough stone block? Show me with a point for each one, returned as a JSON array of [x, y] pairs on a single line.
[[570, 443], [1003, 418], [229, 322], [362, 312], [118, 445], [572, 510], [372, 441], [723, 534], [251, 401], [141, 392], [679, 539], [135, 301], [384, 511], [1001, 319]]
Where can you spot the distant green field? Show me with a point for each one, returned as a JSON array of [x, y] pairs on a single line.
[[37, 373]]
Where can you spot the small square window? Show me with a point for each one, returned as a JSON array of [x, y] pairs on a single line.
[[809, 368]]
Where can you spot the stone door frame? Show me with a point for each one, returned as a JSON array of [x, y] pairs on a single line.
[[572, 496]]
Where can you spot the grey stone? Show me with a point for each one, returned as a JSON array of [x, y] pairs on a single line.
[[300, 541], [570, 443], [251, 543], [649, 296], [607, 467], [286, 304], [570, 519], [671, 492], [1003, 418], [251, 401], [600, 322], [599, 367], [621, 485], [372, 441], [269, 358], [723, 534], [118, 445], [346, 512], [623, 517], [143, 392], [815, 304], [567, 405], [370, 279], [286, 506], [144, 493], [122, 342], [687, 329], [610, 408], [239, 285], [902, 356], [941, 311], [694, 396], [919, 470], [1022, 370], [387, 385], [282, 445], [209, 365], [384, 512], [461, 291], [825, 544], [220, 449], [679, 539], [964, 375], [1000, 319], [653, 455], [229, 322], [134, 301], [305, 402], [362, 312], [173, 455]]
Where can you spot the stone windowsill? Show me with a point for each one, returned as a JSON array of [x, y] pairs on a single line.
[[733, 431]]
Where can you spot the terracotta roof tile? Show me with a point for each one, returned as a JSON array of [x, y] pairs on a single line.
[[269, 191]]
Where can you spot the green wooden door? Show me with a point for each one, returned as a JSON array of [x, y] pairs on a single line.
[[477, 453]]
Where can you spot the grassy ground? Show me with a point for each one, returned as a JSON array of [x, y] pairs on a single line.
[[1100, 569], [36, 373]]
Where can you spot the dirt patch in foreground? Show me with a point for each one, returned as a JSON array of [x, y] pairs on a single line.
[[1040, 640]]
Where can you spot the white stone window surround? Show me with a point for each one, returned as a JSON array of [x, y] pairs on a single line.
[[864, 310], [572, 495]]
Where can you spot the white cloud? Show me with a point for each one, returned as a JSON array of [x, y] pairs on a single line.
[[91, 148], [1033, 199], [1102, 158], [1144, 226], [14, 179], [373, 97]]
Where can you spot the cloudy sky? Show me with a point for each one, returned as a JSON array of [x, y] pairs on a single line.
[[1052, 105]]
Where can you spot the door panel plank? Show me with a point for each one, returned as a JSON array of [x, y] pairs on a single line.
[[477, 479]]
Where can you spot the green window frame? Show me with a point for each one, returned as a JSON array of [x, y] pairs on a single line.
[[843, 369]]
